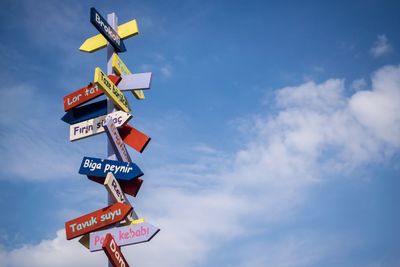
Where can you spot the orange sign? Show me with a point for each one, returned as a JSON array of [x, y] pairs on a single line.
[[96, 220], [134, 138], [113, 252], [86, 94]]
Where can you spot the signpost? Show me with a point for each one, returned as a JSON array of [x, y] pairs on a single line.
[[120, 176], [100, 167], [95, 126], [96, 220], [86, 112], [113, 252], [125, 235], [85, 94], [116, 141], [120, 68]]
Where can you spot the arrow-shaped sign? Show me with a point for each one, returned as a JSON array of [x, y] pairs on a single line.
[[111, 90], [95, 126], [126, 235], [106, 30], [86, 112], [121, 69], [96, 220], [100, 167], [113, 252], [137, 81], [134, 138], [97, 42], [85, 94], [116, 193], [116, 141], [130, 187]]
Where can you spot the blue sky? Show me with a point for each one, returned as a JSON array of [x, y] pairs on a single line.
[[275, 132]]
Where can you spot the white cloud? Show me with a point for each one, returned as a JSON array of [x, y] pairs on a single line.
[[166, 70], [381, 46], [359, 84], [200, 206]]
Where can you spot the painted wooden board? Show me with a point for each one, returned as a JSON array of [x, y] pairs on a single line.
[[86, 94], [86, 112], [134, 138], [121, 69], [100, 167], [130, 187], [125, 235], [116, 141], [94, 126], [96, 220], [85, 239], [113, 252], [106, 30], [97, 42], [137, 81], [113, 188], [111, 90]]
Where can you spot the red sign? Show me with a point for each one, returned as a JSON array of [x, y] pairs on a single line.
[[134, 138], [96, 220], [85, 94], [113, 252], [130, 187]]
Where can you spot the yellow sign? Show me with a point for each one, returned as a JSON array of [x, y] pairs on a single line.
[[85, 239], [98, 41], [121, 69], [111, 90]]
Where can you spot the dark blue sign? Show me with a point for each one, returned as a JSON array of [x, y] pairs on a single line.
[[106, 30], [100, 168], [86, 112]]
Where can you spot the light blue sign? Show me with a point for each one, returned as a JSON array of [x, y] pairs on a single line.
[[100, 168]]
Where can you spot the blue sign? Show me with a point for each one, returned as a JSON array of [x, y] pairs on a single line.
[[86, 112], [106, 30], [100, 168]]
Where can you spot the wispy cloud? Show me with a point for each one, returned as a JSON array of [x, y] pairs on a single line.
[[381, 47], [316, 132]]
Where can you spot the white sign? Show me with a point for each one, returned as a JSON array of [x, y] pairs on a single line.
[[116, 141]]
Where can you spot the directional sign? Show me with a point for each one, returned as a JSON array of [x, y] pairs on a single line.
[[106, 30], [95, 126], [100, 167], [116, 141], [116, 193], [113, 252], [97, 42], [131, 187], [120, 68], [135, 81], [85, 112], [134, 138], [126, 235], [111, 90], [96, 220], [85, 239], [85, 94]]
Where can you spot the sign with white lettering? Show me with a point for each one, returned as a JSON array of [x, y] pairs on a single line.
[[85, 94], [130, 187], [98, 41], [96, 220], [121, 69], [116, 141], [113, 252], [137, 81], [95, 126], [100, 167], [125, 235], [111, 90], [85, 112], [106, 30]]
